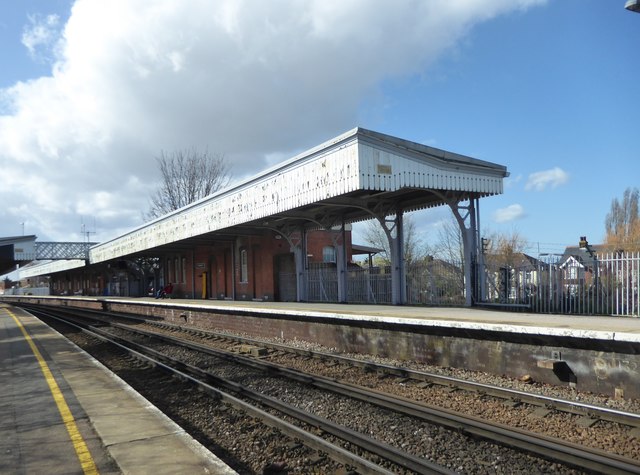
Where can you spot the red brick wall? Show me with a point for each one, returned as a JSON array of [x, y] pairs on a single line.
[[215, 262], [317, 240]]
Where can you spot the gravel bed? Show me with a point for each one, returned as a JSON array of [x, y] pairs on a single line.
[[448, 448], [241, 441], [610, 437], [564, 392], [194, 410]]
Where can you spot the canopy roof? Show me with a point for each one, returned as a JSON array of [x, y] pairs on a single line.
[[343, 180], [15, 250]]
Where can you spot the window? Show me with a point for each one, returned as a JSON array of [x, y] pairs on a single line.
[[184, 270], [329, 254], [244, 266]]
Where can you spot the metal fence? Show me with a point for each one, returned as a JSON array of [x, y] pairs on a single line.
[[603, 284], [369, 285], [432, 283]]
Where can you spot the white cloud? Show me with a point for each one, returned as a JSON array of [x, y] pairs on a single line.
[[40, 35], [510, 213], [511, 181], [540, 180], [251, 79]]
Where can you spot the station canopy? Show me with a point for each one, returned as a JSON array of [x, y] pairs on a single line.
[[355, 176], [16, 251]]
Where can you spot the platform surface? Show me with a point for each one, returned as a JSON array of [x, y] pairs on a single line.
[[576, 326], [610, 328], [62, 412]]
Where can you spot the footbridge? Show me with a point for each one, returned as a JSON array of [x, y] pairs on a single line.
[[21, 250]]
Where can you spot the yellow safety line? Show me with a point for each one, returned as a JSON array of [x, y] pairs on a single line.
[[82, 451]]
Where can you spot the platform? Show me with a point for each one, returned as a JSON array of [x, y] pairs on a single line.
[[590, 353], [575, 326], [623, 329], [62, 412]]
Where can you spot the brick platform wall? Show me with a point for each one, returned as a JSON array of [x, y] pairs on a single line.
[[588, 365]]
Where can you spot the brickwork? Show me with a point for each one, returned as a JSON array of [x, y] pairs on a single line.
[[240, 268], [588, 365], [317, 241], [423, 344]]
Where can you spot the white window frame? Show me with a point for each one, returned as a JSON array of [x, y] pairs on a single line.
[[329, 254]]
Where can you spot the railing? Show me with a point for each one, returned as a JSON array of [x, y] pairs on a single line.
[[603, 284], [369, 285], [322, 284], [436, 282], [433, 283]]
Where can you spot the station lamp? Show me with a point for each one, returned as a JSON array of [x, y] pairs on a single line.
[[633, 5]]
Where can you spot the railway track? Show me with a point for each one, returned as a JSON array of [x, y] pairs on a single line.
[[545, 447], [590, 413], [228, 392]]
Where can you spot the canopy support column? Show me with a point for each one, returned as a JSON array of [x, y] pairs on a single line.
[[393, 229], [341, 263], [467, 218], [299, 250], [297, 239]]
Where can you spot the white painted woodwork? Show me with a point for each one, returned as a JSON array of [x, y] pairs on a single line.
[[358, 160], [47, 268]]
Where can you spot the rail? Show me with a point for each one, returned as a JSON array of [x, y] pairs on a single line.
[[205, 379], [556, 449]]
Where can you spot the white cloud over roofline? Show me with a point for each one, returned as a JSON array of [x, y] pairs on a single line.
[[251, 79]]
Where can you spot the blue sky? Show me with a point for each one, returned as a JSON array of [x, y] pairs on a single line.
[[552, 88], [89, 96]]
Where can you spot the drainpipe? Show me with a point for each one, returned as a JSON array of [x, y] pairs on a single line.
[[233, 269]]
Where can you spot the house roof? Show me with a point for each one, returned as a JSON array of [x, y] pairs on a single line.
[[357, 249], [581, 255], [524, 261]]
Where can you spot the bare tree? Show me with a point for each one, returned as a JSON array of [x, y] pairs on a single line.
[[505, 250], [449, 245], [415, 250], [187, 176], [375, 236], [623, 221]]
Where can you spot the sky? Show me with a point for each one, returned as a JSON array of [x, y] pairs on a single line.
[[91, 92]]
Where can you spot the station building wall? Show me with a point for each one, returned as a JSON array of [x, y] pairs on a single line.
[[242, 268]]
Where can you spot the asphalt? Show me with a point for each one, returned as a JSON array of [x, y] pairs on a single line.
[[62, 412]]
